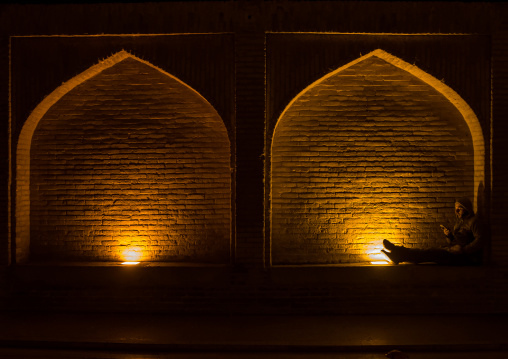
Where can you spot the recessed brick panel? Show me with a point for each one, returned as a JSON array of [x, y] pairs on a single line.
[[131, 157], [369, 153]]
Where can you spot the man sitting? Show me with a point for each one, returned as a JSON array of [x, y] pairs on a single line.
[[465, 242]]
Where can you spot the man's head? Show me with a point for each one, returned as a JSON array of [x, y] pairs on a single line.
[[463, 208]]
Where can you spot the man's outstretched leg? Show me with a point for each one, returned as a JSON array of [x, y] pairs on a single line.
[[399, 254]]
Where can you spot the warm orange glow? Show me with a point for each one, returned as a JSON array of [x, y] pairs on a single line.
[[130, 263], [132, 255], [375, 255]]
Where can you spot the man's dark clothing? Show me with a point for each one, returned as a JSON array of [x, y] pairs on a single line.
[[467, 233]]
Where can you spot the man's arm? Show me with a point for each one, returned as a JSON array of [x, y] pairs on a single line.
[[477, 244]]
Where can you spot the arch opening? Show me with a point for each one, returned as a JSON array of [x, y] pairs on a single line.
[[124, 158], [375, 149]]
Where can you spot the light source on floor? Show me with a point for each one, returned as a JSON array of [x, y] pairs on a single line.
[[131, 255], [377, 257]]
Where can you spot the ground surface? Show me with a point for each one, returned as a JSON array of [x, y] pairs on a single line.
[[129, 336]]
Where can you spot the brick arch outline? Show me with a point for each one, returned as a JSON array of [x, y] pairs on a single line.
[[452, 96], [22, 204]]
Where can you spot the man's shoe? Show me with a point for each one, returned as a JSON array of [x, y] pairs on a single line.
[[389, 245], [393, 257]]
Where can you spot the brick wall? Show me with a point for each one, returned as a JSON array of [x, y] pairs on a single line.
[[131, 157], [249, 60], [499, 247], [250, 79], [369, 153]]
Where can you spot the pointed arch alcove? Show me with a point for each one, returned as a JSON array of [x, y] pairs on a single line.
[[375, 149], [124, 160]]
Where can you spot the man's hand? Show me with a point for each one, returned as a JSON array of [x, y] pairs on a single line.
[[446, 231]]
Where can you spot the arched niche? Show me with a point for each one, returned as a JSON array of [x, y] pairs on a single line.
[[375, 149], [122, 161]]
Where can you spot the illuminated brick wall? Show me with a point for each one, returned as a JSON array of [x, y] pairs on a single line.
[[369, 153], [130, 158], [249, 60]]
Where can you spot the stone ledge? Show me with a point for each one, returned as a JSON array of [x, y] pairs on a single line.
[[387, 274], [103, 274]]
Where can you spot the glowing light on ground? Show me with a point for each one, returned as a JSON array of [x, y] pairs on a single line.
[[376, 256], [132, 255]]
